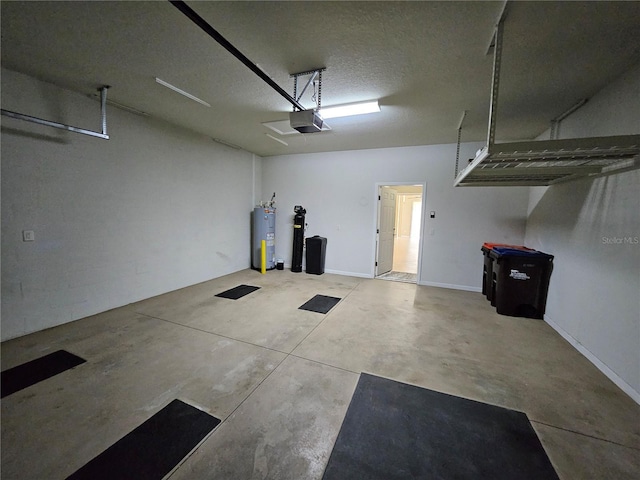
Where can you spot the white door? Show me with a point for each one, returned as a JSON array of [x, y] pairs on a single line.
[[386, 229]]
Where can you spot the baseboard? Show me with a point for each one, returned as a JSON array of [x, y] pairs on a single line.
[[466, 288], [336, 272], [611, 375], [348, 274]]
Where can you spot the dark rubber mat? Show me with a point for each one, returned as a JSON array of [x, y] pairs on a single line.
[[237, 292], [320, 304], [397, 431], [154, 448], [30, 373]]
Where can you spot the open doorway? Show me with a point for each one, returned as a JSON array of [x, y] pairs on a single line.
[[398, 232]]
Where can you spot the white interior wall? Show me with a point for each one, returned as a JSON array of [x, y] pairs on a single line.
[[593, 229], [151, 210], [257, 180], [338, 189]]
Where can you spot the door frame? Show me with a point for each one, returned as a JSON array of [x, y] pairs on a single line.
[[376, 214]]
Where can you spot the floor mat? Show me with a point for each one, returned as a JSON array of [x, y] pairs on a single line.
[[397, 431], [320, 304], [399, 277], [237, 292], [30, 373], [154, 448]]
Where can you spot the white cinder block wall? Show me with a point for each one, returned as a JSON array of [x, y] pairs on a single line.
[[338, 189], [593, 229], [151, 210]]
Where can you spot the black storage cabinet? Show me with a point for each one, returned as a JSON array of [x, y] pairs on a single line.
[[520, 282], [316, 249]]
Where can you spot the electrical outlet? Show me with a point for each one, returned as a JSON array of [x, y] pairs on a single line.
[[28, 236]]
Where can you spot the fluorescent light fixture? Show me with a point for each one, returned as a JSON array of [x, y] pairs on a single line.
[[181, 92], [350, 109]]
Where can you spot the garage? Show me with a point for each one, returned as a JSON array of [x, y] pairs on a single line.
[[140, 138]]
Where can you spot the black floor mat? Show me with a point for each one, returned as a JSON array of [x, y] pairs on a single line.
[[30, 373], [320, 304], [397, 431], [237, 292], [154, 448]]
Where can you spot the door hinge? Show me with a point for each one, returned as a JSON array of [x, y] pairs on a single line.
[[379, 198], [377, 230], [376, 264]]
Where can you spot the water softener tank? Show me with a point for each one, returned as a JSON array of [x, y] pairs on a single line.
[[298, 238], [264, 228]]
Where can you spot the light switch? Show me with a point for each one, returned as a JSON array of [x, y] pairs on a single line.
[[28, 236]]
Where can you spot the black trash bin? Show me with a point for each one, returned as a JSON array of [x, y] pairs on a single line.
[[316, 249], [520, 281], [487, 269]]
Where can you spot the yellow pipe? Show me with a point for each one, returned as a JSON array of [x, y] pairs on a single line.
[[263, 257]]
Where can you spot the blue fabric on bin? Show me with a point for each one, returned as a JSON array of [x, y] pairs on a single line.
[[520, 253]]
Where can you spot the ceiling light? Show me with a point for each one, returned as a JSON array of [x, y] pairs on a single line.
[[350, 109], [181, 92]]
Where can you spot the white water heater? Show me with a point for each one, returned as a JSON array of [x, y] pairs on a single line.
[[264, 228]]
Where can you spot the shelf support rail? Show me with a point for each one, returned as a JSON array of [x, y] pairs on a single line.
[[464, 114], [84, 131], [495, 84]]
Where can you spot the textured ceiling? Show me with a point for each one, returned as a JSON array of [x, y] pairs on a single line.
[[425, 61]]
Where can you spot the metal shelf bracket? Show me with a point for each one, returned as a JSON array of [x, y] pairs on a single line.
[[83, 131], [313, 74], [540, 162]]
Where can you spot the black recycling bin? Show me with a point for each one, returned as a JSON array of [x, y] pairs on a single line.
[[487, 269], [316, 249], [520, 281]]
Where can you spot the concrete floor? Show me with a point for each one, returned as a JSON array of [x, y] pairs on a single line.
[[281, 378]]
